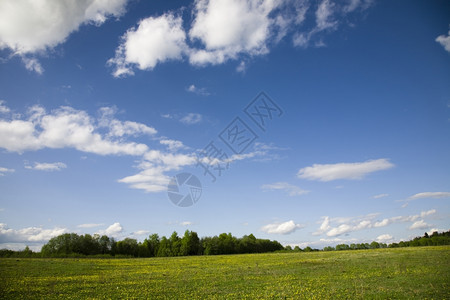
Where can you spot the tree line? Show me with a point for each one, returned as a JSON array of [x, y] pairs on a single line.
[[74, 245], [435, 239]]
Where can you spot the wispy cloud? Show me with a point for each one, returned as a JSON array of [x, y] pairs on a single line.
[[186, 223], [291, 190], [281, 228], [380, 196], [3, 108], [5, 170], [427, 195], [424, 195], [191, 118], [444, 40], [90, 225], [197, 90], [140, 233], [56, 166], [329, 172]]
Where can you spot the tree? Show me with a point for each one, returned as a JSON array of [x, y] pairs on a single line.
[[152, 244], [190, 243], [175, 244]]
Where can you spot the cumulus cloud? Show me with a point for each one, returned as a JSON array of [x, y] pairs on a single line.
[[223, 30], [28, 27], [64, 127], [444, 40], [229, 27], [28, 234], [67, 127], [152, 175], [421, 224], [173, 145], [281, 228], [57, 166], [324, 226], [329, 172], [384, 238], [155, 40], [339, 226], [113, 230], [119, 128], [291, 190]]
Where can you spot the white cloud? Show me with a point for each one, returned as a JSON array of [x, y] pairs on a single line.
[[351, 224], [140, 232], [196, 90], [173, 145], [57, 166], [3, 108], [156, 40], [191, 118], [242, 67], [329, 172], [33, 65], [28, 27], [432, 230], [90, 225], [152, 177], [292, 190], [186, 223], [281, 228], [69, 128], [324, 15], [28, 234], [421, 224], [380, 196], [113, 230], [5, 170], [427, 195], [64, 127], [229, 27], [444, 40], [324, 226], [119, 128], [384, 238]]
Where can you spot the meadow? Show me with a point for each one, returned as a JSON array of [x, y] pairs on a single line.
[[398, 273]]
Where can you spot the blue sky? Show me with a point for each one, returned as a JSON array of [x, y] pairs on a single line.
[[102, 103]]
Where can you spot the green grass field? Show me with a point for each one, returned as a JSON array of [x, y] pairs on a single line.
[[401, 273]]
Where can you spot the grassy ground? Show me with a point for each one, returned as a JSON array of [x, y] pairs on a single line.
[[402, 273]]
